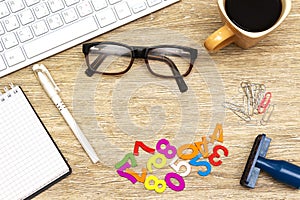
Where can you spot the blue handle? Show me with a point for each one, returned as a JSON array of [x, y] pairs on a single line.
[[281, 170]]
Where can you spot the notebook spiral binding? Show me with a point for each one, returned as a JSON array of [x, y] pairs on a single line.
[[8, 92]]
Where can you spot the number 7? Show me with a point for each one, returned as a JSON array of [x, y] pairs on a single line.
[[127, 157], [140, 178], [143, 146], [126, 175]]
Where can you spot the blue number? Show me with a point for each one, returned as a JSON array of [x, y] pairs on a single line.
[[195, 162]]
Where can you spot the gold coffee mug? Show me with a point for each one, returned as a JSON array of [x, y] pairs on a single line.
[[232, 33]]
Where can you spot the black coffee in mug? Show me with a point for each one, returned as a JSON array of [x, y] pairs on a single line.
[[253, 15]]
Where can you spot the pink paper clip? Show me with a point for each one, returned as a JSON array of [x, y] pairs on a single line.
[[264, 103]]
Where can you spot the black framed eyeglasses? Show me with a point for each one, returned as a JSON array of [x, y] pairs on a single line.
[[166, 61]]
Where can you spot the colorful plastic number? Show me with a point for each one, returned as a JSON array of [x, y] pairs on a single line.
[[153, 183], [171, 185], [179, 165], [121, 172], [204, 150], [143, 146], [175, 181], [215, 154], [169, 151], [195, 162], [184, 156], [140, 178], [153, 161], [216, 136], [127, 157]]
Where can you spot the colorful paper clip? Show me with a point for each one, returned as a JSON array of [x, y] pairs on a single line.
[[264, 103], [255, 101]]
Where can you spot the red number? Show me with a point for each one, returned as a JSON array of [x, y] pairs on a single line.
[[215, 154], [143, 146]]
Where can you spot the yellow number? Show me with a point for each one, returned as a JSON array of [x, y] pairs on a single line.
[[153, 161], [153, 183]]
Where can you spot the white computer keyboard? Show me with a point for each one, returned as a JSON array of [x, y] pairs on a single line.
[[31, 30]]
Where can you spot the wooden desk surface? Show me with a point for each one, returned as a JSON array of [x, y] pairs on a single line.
[[275, 62]]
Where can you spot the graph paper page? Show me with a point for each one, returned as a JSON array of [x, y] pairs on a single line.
[[29, 159]]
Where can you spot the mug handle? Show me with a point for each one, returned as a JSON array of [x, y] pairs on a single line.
[[219, 39]]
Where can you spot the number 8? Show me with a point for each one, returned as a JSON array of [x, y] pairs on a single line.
[[153, 161], [158, 185], [166, 150]]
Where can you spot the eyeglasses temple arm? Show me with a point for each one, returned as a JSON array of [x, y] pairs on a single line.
[[90, 71], [179, 78]]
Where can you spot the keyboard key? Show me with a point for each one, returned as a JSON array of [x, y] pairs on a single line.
[[14, 56], [153, 2], [138, 7], [41, 10], [3, 10], [71, 2], [122, 10], [113, 1], [39, 28], [1, 30], [31, 2], [24, 34], [26, 17], [2, 64], [56, 5], [106, 17], [84, 9], [16, 5], [9, 40], [99, 4], [55, 21], [11, 23], [61, 36], [69, 15]]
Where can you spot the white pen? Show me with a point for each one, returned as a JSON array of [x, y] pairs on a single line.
[[52, 90]]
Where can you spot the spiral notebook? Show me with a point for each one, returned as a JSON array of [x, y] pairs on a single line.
[[30, 161]]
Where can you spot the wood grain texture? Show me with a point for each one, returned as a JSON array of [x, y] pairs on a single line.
[[274, 61]]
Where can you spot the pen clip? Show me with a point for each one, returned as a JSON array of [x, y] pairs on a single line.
[[44, 70]]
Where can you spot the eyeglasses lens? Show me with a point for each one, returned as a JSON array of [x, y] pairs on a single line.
[[169, 62], [108, 58]]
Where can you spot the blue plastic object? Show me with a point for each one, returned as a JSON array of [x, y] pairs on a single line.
[[281, 170]]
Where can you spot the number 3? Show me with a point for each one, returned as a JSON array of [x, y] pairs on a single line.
[[215, 154]]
